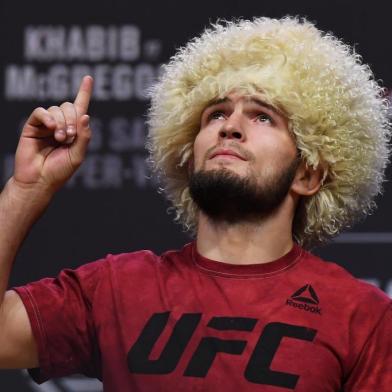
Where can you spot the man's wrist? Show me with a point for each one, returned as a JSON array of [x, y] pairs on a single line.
[[36, 196]]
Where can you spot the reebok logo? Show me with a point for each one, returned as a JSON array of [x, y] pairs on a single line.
[[306, 299]]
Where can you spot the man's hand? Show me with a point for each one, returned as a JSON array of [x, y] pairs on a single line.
[[53, 142], [52, 146]]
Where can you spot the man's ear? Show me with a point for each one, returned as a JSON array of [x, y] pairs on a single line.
[[308, 180]]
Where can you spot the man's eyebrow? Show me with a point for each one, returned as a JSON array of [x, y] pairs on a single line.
[[217, 102], [259, 102]]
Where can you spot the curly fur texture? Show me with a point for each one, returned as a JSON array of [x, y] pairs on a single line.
[[335, 109]]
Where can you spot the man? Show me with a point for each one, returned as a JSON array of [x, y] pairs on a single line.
[[268, 135]]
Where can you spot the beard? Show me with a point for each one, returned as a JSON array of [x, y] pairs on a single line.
[[224, 196]]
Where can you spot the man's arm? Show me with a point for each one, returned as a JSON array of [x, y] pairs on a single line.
[[52, 145], [373, 369]]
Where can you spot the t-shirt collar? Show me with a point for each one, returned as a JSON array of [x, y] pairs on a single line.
[[248, 270]]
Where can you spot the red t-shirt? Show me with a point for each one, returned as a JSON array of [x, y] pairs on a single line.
[[181, 322]]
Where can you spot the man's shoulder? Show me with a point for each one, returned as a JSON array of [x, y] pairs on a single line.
[[146, 258], [341, 284]]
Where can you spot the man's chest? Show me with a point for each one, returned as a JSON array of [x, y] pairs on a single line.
[[186, 344]]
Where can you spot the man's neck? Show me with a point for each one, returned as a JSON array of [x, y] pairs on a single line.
[[245, 243]]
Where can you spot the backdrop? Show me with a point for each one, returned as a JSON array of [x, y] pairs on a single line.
[[110, 205]]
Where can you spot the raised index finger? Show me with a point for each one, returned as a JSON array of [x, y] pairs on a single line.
[[82, 99]]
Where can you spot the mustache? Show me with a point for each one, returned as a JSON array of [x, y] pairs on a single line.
[[247, 155]]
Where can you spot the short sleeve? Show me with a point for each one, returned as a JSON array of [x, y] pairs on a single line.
[[60, 313], [373, 370]]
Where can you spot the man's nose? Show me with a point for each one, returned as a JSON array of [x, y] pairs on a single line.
[[231, 130]]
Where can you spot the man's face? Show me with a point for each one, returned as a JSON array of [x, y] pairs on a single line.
[[244, 159]]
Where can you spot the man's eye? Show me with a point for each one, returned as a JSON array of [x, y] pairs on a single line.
[[216, 115], [264, 118]]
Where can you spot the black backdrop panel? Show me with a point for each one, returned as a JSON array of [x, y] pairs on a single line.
[[111, 206]]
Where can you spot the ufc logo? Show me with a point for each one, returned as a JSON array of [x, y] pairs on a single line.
[[258, 368]]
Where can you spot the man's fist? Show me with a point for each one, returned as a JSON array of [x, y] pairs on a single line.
[[54, 141]]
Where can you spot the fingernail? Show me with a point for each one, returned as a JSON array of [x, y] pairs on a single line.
[[60, 133], [71, 131], [70, 140], [86, 120]]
